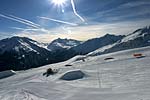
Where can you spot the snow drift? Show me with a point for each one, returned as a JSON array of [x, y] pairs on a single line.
[[72, 75]]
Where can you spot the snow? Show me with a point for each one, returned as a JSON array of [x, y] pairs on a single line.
[[137, 39], [5, 74], [123, 78], [60, 44], [72, 75], [26, 46], [96, 43], [131, 36], [17, 44], [101, 50], [77, 58]]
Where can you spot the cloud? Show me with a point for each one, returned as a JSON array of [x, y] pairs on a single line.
[[32, 31], [27, 21], [87, 31], [134, 4], [59, 21], [20, 20], [123, 12], [4, 35], [122, 19], [33, 27]]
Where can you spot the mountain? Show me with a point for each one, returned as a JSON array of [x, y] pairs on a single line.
[[122, 78], [93, 44], [62, 44], [85, 47], [19, 53], [137, 39]]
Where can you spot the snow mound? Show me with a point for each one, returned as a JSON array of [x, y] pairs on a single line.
[[72, 75], [77, 58], [7, 73]]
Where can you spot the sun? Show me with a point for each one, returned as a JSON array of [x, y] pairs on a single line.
[[58, 2]]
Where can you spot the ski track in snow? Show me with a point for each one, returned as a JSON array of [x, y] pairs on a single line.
[[121, 78]]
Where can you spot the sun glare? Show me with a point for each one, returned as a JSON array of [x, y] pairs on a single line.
[[59, 2]]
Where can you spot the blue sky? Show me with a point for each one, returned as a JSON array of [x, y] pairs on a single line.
[[44, 21]]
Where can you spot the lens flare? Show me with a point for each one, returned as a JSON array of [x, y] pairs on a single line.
[[62, 3], [59, 2]]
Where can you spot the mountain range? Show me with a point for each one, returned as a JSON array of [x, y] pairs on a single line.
[[21, 53], [137, 39]]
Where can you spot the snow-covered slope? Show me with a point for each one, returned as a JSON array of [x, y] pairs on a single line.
[[93, 44], [137, 39], [19, 43], [60, 44], [122, 78], [22, 53]]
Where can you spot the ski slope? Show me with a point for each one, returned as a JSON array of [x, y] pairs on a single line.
[[121, 78]]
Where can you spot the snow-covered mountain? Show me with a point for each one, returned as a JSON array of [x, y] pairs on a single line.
[[122, 78], [19, 43], [22, 53], [93, 44], [137, 39], [62, 44]]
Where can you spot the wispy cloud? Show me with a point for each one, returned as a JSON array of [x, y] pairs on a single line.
[[32, 30], [130, 10], [4, 35], [24, 29], [88, 31], [32, 27], [134, 4], [59, 21], [20, 20], [27, 21]]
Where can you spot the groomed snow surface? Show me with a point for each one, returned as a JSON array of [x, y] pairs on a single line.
[[122, 78]]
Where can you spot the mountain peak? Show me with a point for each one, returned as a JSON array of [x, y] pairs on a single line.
[[60, 44], [18, 43], [106, 35]]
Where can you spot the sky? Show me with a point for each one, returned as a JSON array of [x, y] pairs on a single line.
[[46, 20]]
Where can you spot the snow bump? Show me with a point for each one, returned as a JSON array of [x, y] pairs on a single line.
[[72, 75]]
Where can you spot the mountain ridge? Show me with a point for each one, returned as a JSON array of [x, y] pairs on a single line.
[[21, 53], [136, 39], [95, 43], [61, 44]]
